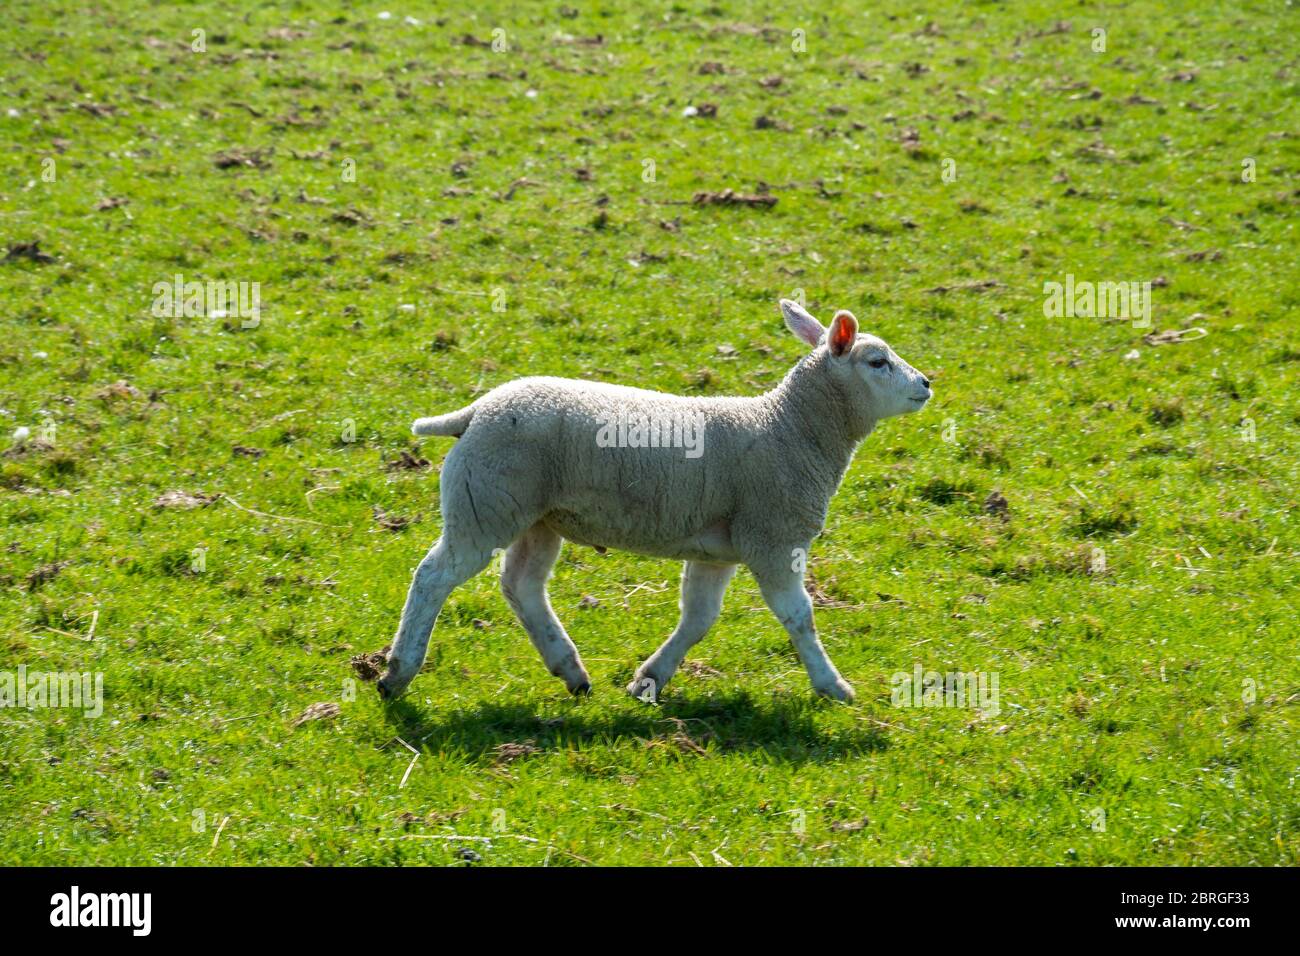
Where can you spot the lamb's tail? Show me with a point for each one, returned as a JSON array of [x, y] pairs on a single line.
[[452, 424]]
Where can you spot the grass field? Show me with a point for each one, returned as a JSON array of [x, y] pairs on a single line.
[[428, 217]]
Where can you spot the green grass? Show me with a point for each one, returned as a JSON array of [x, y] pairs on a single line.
[[1122, 682]]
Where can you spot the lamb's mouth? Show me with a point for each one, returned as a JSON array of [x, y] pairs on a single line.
[[921, 400]]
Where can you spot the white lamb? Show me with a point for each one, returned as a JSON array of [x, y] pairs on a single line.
[[534, 465]]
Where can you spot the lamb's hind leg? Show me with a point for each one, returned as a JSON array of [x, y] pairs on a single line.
[[480, 515], [524, 573], [703, 586], [448, 564]]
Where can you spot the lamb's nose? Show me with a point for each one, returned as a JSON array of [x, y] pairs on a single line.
[[925, 381]]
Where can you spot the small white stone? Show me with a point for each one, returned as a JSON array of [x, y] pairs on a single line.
[[690, 111], [22, 433], [531, 94], [40, 355], [385, 15], [1133, 356], [411, 21], [407, 307]]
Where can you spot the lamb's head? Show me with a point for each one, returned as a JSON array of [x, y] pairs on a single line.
[[880, 382]]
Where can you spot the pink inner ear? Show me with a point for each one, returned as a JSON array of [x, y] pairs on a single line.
[[844, 329], [810, 330], [802, 324]]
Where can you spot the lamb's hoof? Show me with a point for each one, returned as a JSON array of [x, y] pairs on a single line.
[[575, 678], [644, 688], [841, 691], [391, 685]]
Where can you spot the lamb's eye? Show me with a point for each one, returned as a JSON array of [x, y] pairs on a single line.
[[878, 363]]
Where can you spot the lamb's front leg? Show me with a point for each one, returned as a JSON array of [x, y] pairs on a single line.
[[702, 588], [784, 593]]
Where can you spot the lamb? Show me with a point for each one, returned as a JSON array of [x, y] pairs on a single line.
[[535, 465]]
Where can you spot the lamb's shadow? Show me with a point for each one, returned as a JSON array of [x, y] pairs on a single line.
[[785, 729]]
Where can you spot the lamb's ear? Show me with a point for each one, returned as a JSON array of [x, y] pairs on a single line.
[[844, 329], [802, 324]]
